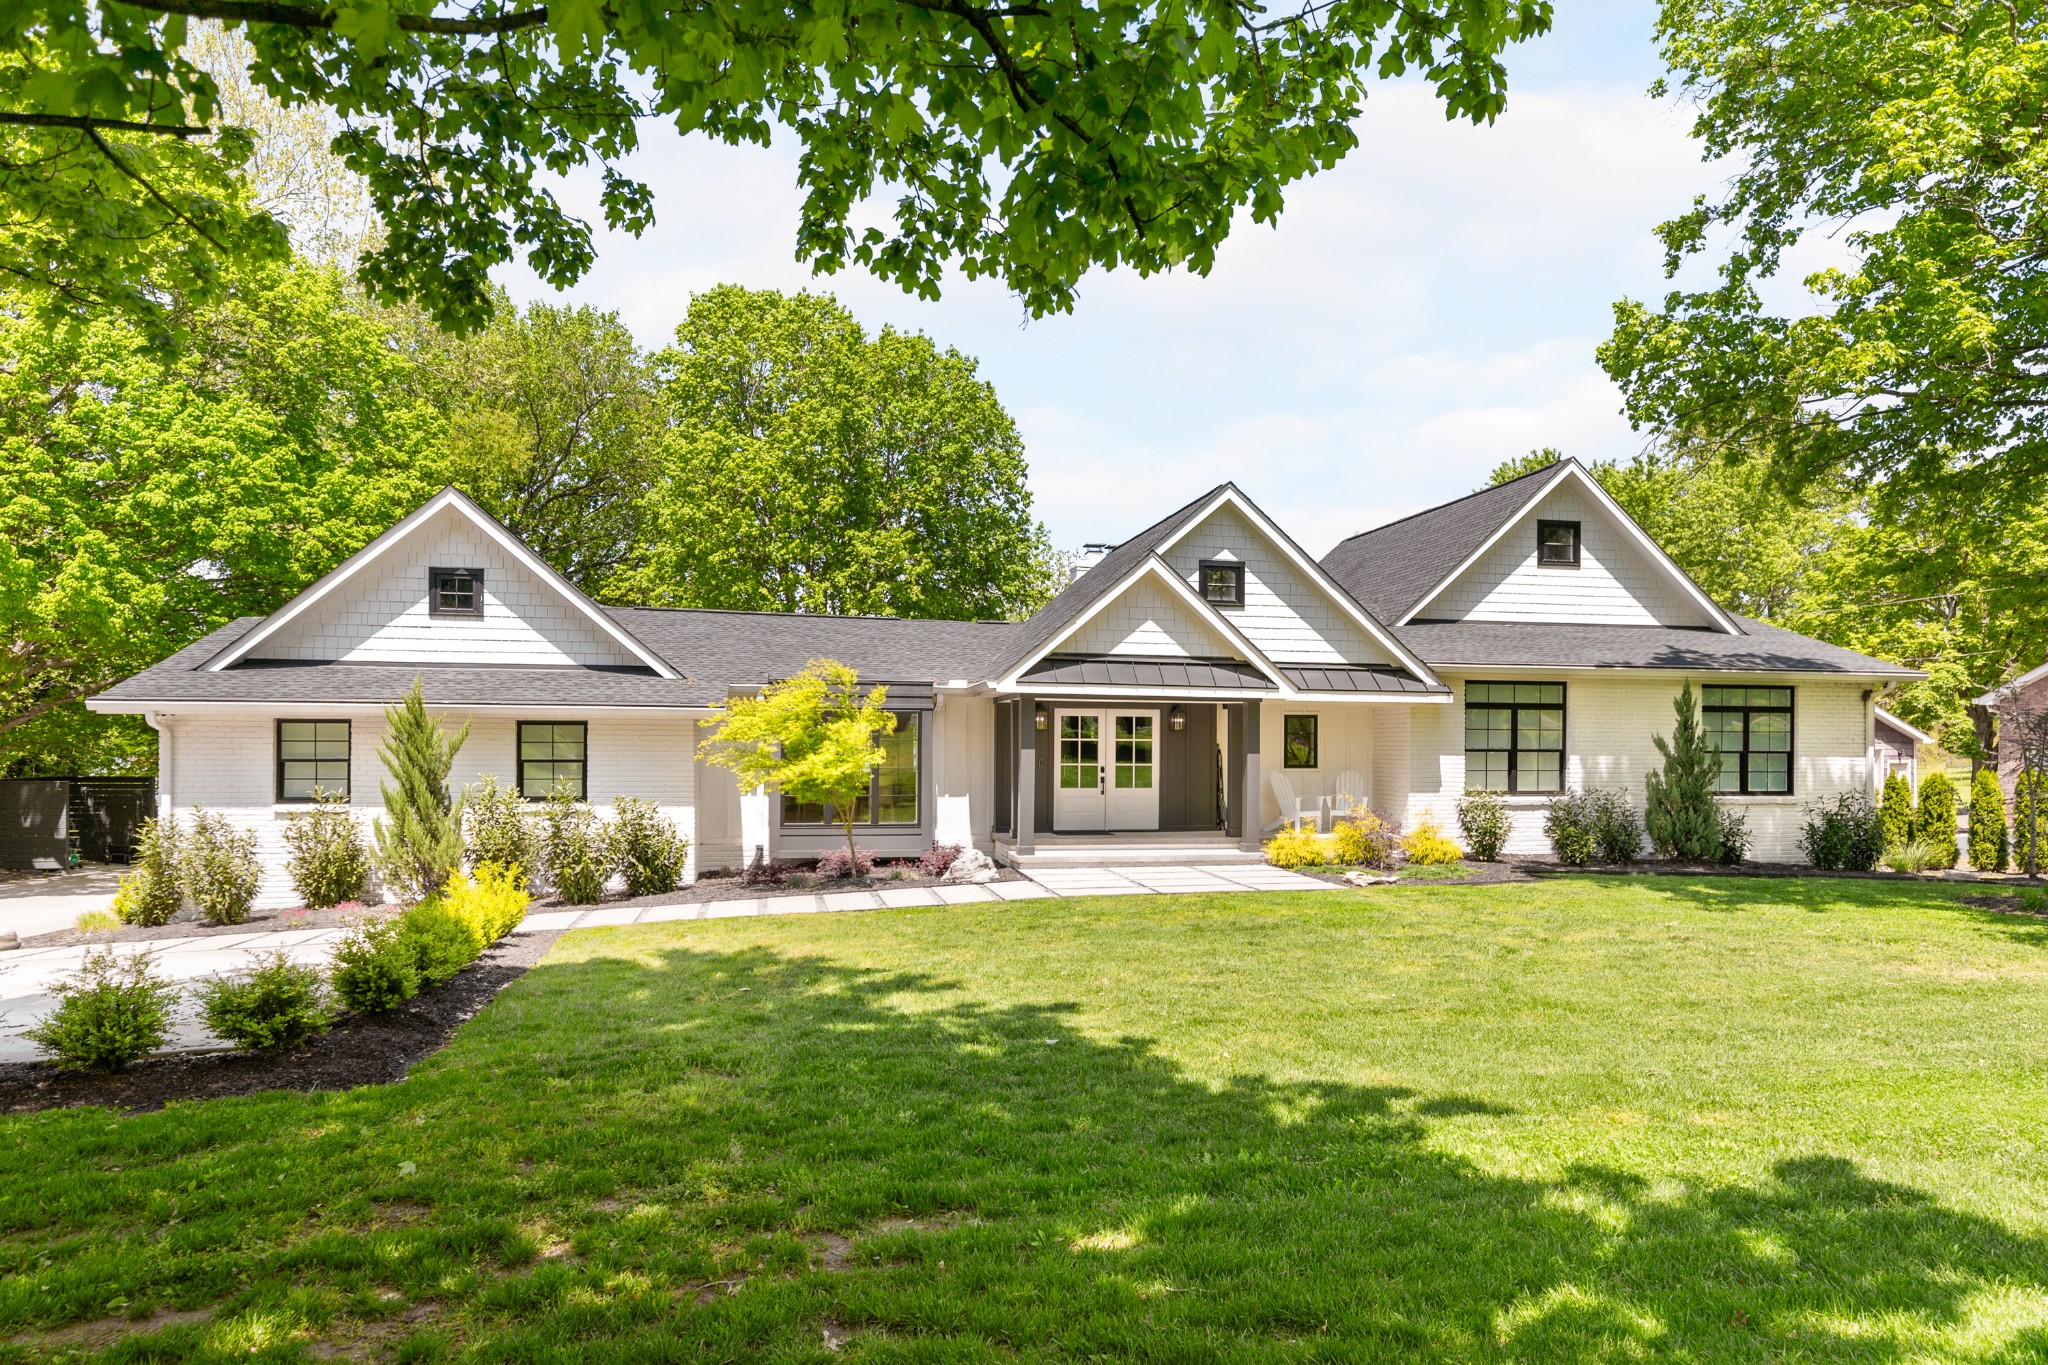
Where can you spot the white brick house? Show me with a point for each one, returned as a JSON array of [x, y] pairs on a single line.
[[1529, 638]]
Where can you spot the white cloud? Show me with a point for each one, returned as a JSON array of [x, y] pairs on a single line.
[[1423, 311]]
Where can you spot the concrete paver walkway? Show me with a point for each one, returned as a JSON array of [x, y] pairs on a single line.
[[46, 902], [26, 976]]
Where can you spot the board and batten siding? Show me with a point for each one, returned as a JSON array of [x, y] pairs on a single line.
[[1610, 720], [1145, 621], [381, 615], [228, 764], [1344, 742], [1285, 613], [1615, 584]]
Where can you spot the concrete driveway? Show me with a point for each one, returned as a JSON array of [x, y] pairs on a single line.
[[43, 901]]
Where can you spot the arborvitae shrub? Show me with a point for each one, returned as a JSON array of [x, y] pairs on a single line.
[[1934, 823], [1895, 812], [1988, 847]]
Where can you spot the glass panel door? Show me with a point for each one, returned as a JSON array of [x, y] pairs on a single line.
[[1079, 775], [1134, 787]]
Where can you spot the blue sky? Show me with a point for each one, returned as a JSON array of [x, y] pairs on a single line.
[[1420, 313]]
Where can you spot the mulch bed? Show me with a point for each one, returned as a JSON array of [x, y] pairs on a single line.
[[713, 887], [2004, 905], [360, 1050]]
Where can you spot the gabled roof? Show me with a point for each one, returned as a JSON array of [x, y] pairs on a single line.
[[1406, 564], [1760, 648], [448, 498], [2005, 692], [1057, 619], [1886, 718]]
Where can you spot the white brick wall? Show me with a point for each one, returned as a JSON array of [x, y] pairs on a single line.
[[381, 614], [1285, 613], [1615, 583], [227, 763], [1144, 620], [1609, 722]]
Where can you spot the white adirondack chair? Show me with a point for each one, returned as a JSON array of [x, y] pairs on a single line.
[[1349, 796], [1293, 809]]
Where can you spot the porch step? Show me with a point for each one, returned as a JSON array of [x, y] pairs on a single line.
[[1082, 851]]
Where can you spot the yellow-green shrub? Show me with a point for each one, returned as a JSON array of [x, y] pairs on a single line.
[[1363, 839], [489, 905], [1294, 846], [1427, 843]]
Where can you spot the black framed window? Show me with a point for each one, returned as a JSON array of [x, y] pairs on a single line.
[[1514, 737], [1557, 544], [1222, 582], [554, 755], [455, 592], [1298, 741], [1751, 728], [312, 755], [893, 785]]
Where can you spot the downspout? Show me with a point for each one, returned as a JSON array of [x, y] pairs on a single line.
[[166, 755]]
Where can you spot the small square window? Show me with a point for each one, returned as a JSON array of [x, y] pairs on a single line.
[[1557, 544], [1222, 582], [455, 592], [1298, 736]]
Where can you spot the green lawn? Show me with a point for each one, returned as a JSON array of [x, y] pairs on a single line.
[[1699, 1120]]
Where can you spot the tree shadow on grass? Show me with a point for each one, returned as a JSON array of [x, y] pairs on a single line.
[[1821, 895], [1082, 1198], [752, 1156]]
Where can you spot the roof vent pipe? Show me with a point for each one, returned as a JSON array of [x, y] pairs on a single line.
[[1091, 555]]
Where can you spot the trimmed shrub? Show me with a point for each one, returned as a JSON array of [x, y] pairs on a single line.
[[277, 1003], [110, 1011], [1895, 812], [325, 853], [491, 905], [1934, 823], [646, 847], [1363, 839], [374, 968], [218, 868], [1679, 811], [938, 859], [497, 827], [1572, 824], [574, 850], [1483, 819], [838, 863], [1842, 834], [1734, 835], [1428, 844], [1989, 851], [1293, 846], [2030, 822], [442, 943], [151, 895]]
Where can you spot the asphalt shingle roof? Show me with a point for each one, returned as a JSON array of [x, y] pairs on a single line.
[[1762, 648], [1392, 568]]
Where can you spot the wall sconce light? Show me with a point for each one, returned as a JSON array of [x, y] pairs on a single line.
[[1176, 719], [1039, 718]]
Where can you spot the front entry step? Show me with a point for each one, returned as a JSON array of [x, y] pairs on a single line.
[[1127, 850]]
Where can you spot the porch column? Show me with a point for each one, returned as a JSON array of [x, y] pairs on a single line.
[[1027, 772], [1248, 834]]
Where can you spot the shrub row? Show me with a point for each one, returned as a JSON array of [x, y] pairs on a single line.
[[211, 864], [566, 848], [115, 1009]]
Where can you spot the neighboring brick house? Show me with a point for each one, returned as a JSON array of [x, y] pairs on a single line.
[[2028, 692], [1527, 639]]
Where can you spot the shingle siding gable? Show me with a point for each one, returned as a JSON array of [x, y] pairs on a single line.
[[1287, 615]]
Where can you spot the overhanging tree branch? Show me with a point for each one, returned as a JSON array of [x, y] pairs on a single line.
[[310, 16], [85, 124]]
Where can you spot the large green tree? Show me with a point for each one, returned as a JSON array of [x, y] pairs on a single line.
[[553, 425], [813, 467], [1911, 134], [145, 499], [1028, 140]]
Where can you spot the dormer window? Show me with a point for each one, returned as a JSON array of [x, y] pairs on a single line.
[[1557, 544], [455, 592], [1222, 582]]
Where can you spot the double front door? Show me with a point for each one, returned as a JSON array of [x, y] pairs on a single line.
[[1105, 770]]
